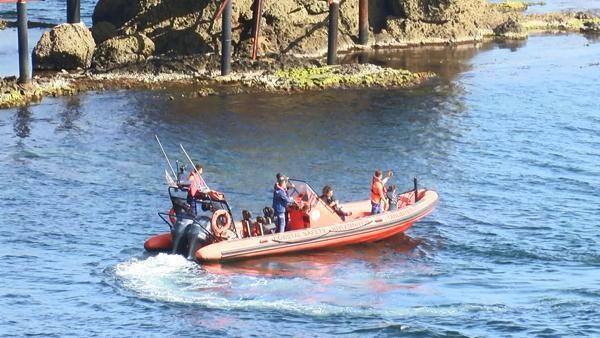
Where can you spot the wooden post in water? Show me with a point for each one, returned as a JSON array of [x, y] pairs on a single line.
[[226, 39], [258, 4], [332, 33], [363, 22], [24, 75], [73, 11]]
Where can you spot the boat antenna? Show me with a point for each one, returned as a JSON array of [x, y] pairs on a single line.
[[193, 166], [166, 157]]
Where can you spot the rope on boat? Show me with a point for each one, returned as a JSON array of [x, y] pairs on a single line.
[[357, 227], [300, 240]]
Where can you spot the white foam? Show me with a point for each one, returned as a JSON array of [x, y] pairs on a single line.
[[172, 278]]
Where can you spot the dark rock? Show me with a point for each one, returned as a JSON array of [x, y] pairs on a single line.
[[116, 12], [591, 27], [103, 31], [509, 26], [66, 46], [584, 16], [122, 50]]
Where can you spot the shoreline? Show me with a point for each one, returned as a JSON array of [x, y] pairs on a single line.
[[199, 74]]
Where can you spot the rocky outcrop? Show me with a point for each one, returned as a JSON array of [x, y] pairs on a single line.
[[439, 21], [122, 50], [66, 46], [190, 27], [296, 27]]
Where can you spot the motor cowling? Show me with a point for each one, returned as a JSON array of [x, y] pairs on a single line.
[[189, 235]]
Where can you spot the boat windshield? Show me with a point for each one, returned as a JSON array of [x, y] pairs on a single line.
[[301, 191]]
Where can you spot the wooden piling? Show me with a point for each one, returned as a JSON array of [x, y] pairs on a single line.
[[73, 8], [226, 39], [363, 22], [332, 33], [257, 18], [24, 74]]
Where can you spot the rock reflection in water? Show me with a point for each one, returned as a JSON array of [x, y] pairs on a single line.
[[446, 61], [22, 125], [70, 114]]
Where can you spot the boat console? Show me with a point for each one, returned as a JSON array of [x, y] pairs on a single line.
[[308, 210]]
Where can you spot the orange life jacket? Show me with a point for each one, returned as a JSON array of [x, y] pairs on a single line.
[[377, 190], [194, 183]]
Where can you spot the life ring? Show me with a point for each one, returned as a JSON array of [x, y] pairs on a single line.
[[172, 216], [218, 227]]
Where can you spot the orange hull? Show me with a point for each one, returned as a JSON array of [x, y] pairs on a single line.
[[363, 229], [160, 242]]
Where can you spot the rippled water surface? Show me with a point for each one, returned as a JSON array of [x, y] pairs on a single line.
[[509, 136]]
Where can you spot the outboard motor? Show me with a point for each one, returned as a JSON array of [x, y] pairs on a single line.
[[197, 235], [189, 233]]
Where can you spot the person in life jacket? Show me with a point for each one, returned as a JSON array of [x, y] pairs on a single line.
[[281, 199], [378, 197], [196, 185]]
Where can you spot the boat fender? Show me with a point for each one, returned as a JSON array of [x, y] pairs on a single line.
[[220, 223], [172, 216]]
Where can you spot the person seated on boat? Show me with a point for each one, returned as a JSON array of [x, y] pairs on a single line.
[[281, 199], [328, 198], [378, 199], [392, 197]]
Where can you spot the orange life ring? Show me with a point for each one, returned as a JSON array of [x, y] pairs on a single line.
[[220, 230], [172, 216]]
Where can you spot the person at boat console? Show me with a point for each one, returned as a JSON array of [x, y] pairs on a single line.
[[281, 199], [378, 197], [328, 198], [196, 185]]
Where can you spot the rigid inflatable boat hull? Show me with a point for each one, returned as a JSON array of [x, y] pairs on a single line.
[[365, 229]]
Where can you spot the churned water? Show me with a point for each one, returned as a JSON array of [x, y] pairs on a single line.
[[509, 136]]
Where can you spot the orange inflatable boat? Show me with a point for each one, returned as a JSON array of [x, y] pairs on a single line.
[[203, 228]]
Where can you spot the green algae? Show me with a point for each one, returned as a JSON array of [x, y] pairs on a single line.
[[569, 24], [516, 5], [351, 76], [17, 96]]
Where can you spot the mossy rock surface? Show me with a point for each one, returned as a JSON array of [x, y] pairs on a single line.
[[347, 76], [517, 6]]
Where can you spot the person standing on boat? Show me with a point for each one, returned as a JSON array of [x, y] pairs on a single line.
[[197, 184], [281, 199], [392, 197], [378, 198]]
